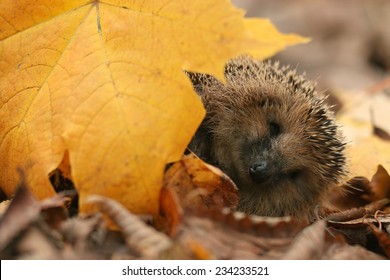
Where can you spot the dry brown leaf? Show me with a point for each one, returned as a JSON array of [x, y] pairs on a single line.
[[356, 213], [36, 242], [191, 184], [26, 228], [361, 222], [235, 235], [139, 237], [199, 184], [53, 210], [279, 227], [315, 242], [359, 191], [77, 230], [380, 184], [351, 194], [23, 210], [353, 223]]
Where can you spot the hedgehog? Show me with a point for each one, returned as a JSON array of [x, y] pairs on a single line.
[[273, 134]]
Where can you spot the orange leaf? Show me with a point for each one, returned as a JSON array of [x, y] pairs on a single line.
[[171, 209], [199, 184]]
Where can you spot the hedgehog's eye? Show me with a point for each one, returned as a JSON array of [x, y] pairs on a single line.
[[294, 174], [274, 129]]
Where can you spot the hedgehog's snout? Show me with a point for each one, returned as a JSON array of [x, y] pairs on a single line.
[[262, 162], [266, 164], [259, 171]]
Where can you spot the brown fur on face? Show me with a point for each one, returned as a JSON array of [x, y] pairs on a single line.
[[267, 128]]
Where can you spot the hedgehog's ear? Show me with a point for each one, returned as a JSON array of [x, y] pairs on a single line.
[[201, 82]]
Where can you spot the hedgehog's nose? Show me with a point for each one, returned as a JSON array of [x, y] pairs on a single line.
[[258, 171]]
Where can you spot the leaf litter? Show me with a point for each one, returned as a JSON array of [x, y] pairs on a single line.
[[193, 225]]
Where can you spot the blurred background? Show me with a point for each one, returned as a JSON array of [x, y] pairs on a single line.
[[350, 45]]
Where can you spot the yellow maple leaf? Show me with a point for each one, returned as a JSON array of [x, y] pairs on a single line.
[[103, 81]]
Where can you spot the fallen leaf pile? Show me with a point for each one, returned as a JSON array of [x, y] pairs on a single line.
[[198, 222], [96, 113]]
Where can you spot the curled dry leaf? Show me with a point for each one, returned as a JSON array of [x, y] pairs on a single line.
[[357, 213], [77, 230], [54, 211], [280, 227], [315, 242], [199, 184], [87, 237], [219, 235], [139, 237], [380, 184], [351, 194], [193, 184], [360, 222], [354, 223], [23, 210], [27, 228], [37, 242], [359, 191]]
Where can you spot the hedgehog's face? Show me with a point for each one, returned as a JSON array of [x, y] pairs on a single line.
[[260, 146], [267, 152], [269, 131]]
